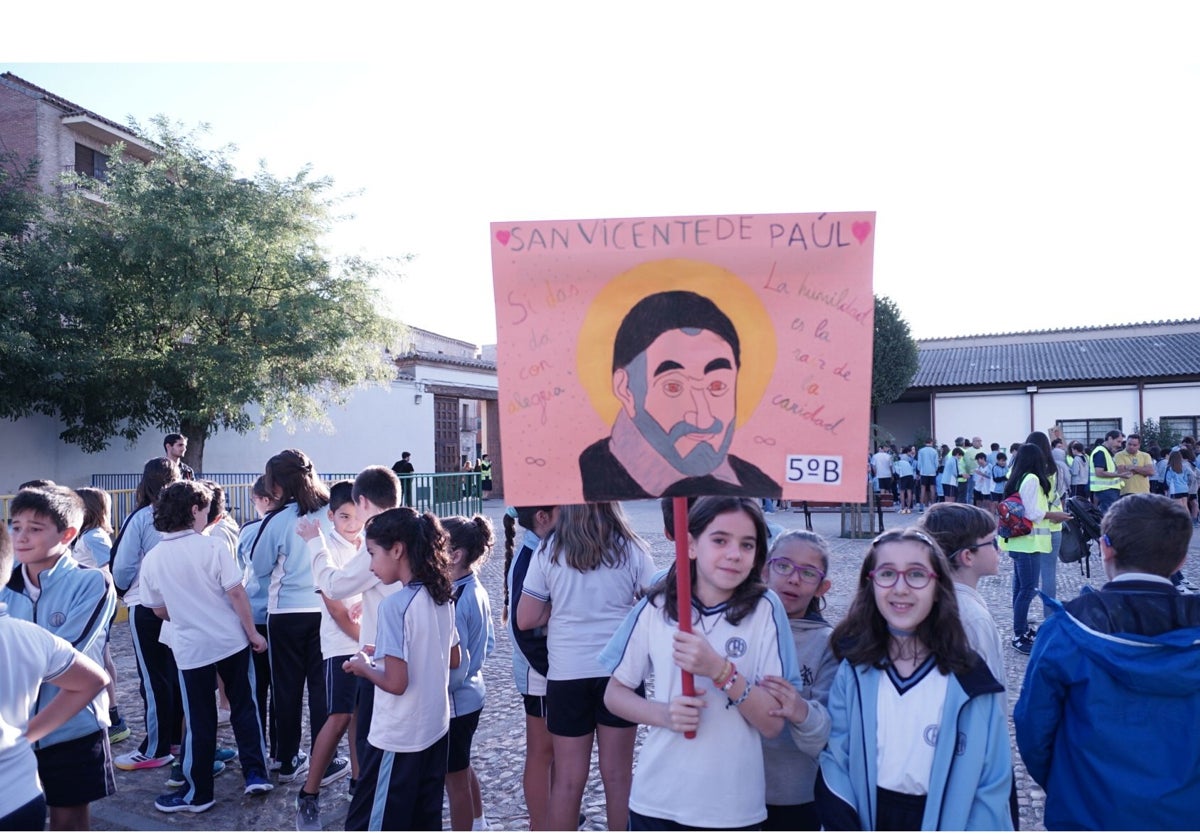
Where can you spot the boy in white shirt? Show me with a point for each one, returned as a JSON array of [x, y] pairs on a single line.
[[192, 581], [339, 642]]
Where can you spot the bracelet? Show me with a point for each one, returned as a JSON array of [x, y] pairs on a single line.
[[723, 675], [740, 700], [727, 684]]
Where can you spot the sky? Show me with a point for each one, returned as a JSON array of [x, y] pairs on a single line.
[[1032, 165]]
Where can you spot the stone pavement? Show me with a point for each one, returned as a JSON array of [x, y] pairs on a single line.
[[499, 743]]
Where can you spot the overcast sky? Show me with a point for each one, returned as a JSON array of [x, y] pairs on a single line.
[[1033, 165]]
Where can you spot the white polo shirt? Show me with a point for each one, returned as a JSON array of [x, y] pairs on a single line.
[[189, 574], [32, 655], [413, 628], [586, 608]]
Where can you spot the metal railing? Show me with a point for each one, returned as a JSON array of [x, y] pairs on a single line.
[[443, 494]]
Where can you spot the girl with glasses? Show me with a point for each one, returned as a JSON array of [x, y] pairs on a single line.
[[796, 571], [919, 732]]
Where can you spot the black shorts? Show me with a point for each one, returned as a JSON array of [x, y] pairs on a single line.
[[906, 482], [462, 732], [997, 497], [1180, 496], [78, 771], [576, 707], [341, 688], [928, 480], [535, 705]]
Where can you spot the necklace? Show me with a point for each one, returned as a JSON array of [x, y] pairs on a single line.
[[907, 649]]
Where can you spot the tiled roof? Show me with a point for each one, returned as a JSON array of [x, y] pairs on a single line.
[[70, 109], [1094, 354], [443, 359]]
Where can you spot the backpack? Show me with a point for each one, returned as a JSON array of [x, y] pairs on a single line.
[[1011, 514]]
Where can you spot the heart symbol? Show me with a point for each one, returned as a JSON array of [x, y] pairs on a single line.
[[861, 231], [502, 236]]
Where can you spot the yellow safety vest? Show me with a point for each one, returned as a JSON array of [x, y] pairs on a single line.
[[1099, 483], [1037, 541]]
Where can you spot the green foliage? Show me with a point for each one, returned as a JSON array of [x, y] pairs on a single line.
[[895, 357], [185, 295], [1160, 434]]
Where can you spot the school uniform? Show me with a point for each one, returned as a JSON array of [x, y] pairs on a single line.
[[404, 769], [190, 575], [75, 604], [257, 596], [715, 780], [790, 758], [353, 577], [928, 752], [280, 561], [586, 609], [155, 661], [32, 657], [93, 549], [529, 650], [473, 622], [336, 646]]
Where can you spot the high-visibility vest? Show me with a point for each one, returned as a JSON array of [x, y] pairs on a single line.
[[485, 471], [1099, 483], [1037, 541]]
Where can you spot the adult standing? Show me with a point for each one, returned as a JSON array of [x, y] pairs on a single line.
[[485, 475], [927, 469], [881, 464], [1139, 464], [969, 463], [175, 447], [1106, 477], [404, 470]]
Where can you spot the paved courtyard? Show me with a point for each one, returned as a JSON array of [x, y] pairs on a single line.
[[499, 742]]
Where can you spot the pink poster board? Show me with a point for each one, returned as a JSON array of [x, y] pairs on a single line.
[[641, 358]]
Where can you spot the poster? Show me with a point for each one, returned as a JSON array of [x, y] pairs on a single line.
[[693, 355]]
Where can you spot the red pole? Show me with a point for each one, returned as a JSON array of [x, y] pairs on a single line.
[[683, 586]]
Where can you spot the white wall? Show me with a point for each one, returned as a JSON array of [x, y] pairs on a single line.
[[996, 416], [1120, 401], [373, 427], [1171, 401]]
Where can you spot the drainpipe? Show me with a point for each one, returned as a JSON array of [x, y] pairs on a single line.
[[1032, 391]]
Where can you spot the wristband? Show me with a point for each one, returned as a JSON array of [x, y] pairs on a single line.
[[723, 675], [733, 675], [740, 700]]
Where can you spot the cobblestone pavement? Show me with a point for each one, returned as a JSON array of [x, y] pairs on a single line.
[[499, 743]]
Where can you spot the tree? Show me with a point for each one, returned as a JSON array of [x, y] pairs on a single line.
[[895, 357], [1161, 435], [186, 295]]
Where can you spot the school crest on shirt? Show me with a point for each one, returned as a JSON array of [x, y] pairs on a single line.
[[735, 647], [931, 737], [58, 619]]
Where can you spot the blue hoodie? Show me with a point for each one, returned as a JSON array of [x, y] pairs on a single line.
[[1107, 715]]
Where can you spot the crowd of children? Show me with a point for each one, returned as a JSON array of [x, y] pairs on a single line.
[[895, 718]]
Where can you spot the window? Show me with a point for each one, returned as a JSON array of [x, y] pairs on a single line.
[[90, 162], [1180, 427], [1087, 431]]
